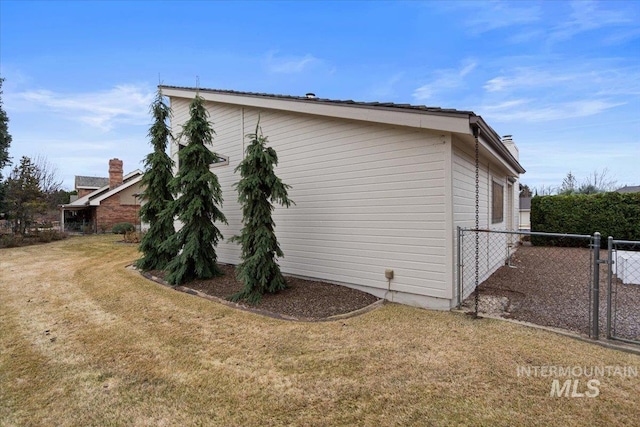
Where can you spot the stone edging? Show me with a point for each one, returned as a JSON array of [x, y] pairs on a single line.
[[259, 311], [611, 344]]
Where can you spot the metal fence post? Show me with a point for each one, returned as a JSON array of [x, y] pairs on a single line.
[[596, 286], [610, 262], [459, 266]]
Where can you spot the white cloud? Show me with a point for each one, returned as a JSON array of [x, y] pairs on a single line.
[[598, 78], [423, 93], [289, 64], [446, 79], [530, 78], [481, 17], [587, 16], [524, 111], [386, 88], [505, 105], [467, 69], [622, 36], [103, 109], [567, 91]]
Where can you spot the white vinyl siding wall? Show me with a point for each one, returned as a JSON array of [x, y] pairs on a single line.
[[368, 197], [493, 249]]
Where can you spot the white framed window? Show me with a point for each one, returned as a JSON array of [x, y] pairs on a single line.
[[221, 160]]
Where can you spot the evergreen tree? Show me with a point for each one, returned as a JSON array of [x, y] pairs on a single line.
[[197, 204], [156, 246], [258, 187], [24, 198], [569, 185], [525, 191], [5, 142]]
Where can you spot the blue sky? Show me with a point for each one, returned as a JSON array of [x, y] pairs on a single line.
[[562, 77]]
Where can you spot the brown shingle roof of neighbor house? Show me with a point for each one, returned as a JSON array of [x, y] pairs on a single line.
[[629, 189], [90, 182], [474, 119], [525, 203]]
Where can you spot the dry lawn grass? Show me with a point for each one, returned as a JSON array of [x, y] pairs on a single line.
[[84, 341]]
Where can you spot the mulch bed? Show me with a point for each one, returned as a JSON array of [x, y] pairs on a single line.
[[550, 286], [302, 300]]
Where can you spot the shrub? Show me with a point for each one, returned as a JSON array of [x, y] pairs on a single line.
[[10, 240], [51, 236], [16, 240], [45, 236], [132, 237], [123, 228], [611, 214]]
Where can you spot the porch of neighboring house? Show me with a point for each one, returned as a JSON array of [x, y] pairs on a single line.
[[81, 219]]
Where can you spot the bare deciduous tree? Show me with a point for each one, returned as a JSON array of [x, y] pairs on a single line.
[[47, 175], [598, 182]]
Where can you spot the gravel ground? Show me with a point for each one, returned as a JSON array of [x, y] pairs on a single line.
[[304, 299], [550, 286]]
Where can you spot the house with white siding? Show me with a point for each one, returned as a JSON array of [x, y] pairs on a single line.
[[377, 186]]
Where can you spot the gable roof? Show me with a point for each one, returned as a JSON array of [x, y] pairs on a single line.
[[629, 189], [313, 98], [525, 203], [128, 181], [94, 198], [90, 182], [419, 116]]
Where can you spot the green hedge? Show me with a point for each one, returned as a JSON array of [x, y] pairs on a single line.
[[611, 214], [123, 228]]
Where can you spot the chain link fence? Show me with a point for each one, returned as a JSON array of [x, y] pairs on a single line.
[[623, 291], [541, 278], [559, 280]]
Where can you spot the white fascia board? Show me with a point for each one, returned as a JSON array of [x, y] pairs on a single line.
[[84, 200], [70, 207], [97, 200], [417, 119], [132, 173]]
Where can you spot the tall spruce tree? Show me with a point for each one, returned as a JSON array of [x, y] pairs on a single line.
[[258, 187], [5, 142], [156, 245], [197, 204]]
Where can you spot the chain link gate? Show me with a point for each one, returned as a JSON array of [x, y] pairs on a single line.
[[575, 282], [623, 290], [543, 278], [583, 277]]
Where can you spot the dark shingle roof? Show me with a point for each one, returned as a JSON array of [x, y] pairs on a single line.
[[494, 138], [525, 203], [91, 181], [390, 105], [629, 189]]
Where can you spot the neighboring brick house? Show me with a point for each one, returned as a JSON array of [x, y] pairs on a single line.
[[116, 200]]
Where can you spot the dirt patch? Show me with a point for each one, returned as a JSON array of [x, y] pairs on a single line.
[[551, 286], [302, 300]]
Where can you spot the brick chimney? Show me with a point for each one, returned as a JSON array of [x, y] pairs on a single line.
[[115, 173]]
